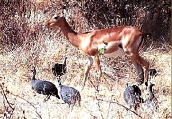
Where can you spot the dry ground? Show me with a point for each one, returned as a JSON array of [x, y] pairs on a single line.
[[105, 104], [19, 101]]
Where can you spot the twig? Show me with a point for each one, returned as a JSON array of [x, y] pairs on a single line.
[[98, 83], [121, 106], [99, 107], [109, 108], [3, 93], [93, 84], [29, 103], [5, 98]]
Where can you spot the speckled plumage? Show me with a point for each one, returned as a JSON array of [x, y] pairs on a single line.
[[44, 87], [69, 94], [150, 91], [132, 96], [59, 69]]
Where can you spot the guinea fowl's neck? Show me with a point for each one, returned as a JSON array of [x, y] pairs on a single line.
[[33, 78], [65, 61], [60, 82], [150, 89]]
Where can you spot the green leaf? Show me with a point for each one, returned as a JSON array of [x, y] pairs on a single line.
[[101, 50]]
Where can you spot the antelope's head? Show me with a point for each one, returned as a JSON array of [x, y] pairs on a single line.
[[53, 22]]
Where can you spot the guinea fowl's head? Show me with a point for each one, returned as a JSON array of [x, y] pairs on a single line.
[[65, 61], [34, 72]]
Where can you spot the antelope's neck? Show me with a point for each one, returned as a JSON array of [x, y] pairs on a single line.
[[69, 33]]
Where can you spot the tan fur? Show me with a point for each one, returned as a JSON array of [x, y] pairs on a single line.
[[125, 39]]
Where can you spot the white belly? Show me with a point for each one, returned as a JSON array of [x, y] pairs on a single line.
[[118, 53]]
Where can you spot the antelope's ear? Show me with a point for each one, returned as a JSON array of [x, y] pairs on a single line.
[[47, 23]]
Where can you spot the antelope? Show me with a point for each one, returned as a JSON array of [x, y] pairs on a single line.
[[111, 42]]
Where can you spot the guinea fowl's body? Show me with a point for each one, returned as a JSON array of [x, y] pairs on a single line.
[[132, 96], [69, 94], [44, 87], [59, 69], [150, 91]]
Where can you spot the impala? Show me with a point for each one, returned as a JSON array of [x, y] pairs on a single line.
[[111, 42]]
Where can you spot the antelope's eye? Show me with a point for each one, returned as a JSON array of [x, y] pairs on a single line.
[[56, 18]]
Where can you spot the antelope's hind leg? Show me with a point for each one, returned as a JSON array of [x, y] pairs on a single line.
[[143, 63], [140, 73], [145, 66]]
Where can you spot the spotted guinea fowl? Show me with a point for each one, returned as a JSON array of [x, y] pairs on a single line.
[[151, 102], [59, 69], [44, 87], [69, 94], [132, 96], [152, 72], [150, 91]]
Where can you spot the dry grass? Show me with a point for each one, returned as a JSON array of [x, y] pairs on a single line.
[[49, 47], [16, 75]]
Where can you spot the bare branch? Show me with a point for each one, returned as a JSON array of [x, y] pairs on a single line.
[[99, 106], [121, 106], [3, 93], [9, 104], [109, 108], [28, 103]]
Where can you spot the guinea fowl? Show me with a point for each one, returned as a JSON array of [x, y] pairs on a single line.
[[69, 94], [59, 69], [150, 91], [152, 72], [132, 96], [151, 102], [44, 87]]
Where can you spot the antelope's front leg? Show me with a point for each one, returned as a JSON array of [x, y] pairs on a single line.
[[97, 62], [87, 69], [98, 67]]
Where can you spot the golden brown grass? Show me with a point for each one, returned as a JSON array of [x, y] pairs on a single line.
[[16, 75], [51, 47]]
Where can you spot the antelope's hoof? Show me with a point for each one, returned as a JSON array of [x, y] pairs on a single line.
[[146, 83]]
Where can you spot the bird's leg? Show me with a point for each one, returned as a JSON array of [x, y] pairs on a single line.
[[47, 98], [71, 107], [79, 103]]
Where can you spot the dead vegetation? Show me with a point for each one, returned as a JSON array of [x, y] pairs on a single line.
[[25, 43]]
